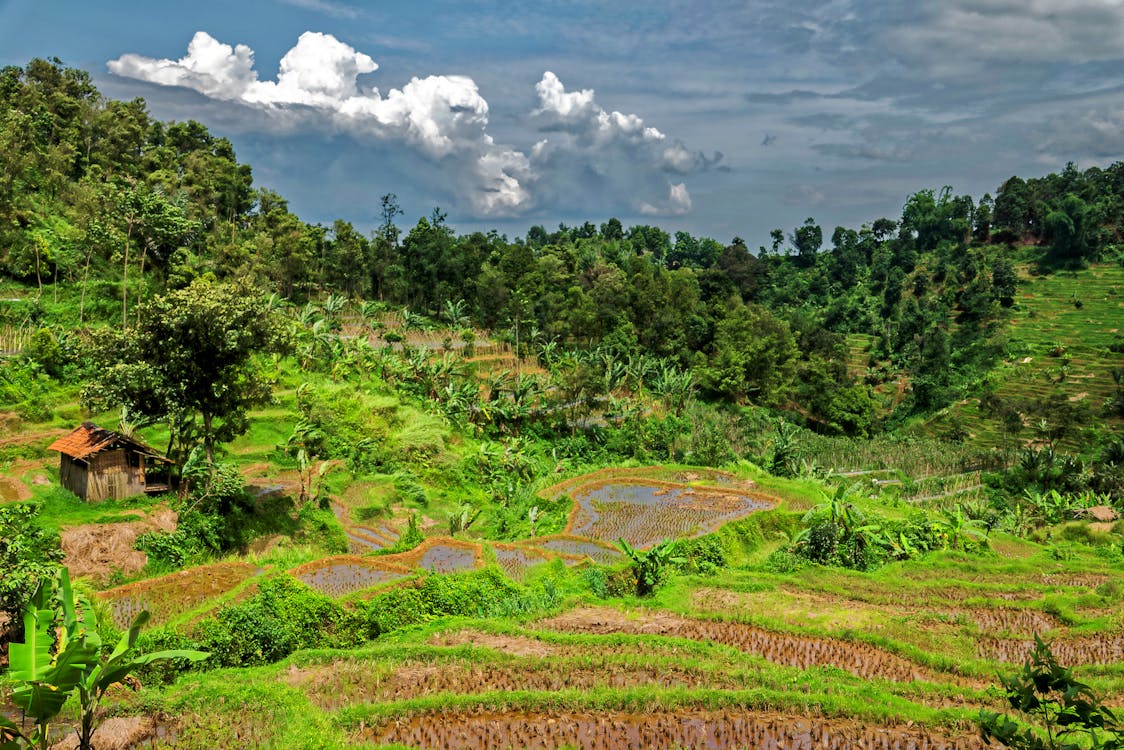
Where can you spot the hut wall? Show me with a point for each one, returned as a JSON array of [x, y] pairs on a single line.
[[112, 477], [73, 475]]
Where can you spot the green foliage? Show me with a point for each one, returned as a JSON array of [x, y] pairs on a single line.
[[28, 555], [1059, 713], [47, 670], [283, 616], [703, 555], [189, 363], [483, 593], [650, 567]]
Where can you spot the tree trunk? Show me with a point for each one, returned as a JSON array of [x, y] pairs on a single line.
[[125, 279]]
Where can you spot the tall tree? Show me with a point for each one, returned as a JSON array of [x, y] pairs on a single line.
[[190, 362]]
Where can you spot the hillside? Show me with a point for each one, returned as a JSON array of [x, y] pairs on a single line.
[[596, 488]]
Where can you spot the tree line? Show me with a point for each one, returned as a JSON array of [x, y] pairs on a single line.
[[104, 199]]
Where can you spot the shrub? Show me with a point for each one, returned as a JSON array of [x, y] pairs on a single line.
[[1059, 713], [283, 616], [481, 593], [704, 555]]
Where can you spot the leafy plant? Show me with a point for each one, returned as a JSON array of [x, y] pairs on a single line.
[[649, 567], [27, 554], [1062, 713], [46, 677]]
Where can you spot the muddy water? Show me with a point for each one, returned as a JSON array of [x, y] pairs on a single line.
[[646, 514], [516, 562], [445, 558], [688, 729], [345, 578]]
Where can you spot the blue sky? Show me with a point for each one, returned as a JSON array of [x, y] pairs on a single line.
[[721, 118]]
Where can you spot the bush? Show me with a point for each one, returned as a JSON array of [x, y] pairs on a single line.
[[409, 490], [483, 593], [283, 616], [784, 561], [704, 555]]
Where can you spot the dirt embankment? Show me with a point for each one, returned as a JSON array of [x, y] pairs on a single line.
[[98, 549]]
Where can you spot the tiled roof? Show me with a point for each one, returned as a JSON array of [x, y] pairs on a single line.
[[88, 439]]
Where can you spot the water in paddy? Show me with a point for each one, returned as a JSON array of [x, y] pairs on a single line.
[[646, 514]]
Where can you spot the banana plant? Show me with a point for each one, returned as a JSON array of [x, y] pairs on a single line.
[[649, 566], [45, 678]]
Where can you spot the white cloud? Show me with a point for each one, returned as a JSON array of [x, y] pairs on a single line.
[[608, 157], [624, 154], [445, 117], [678, 203], [577, 113], [320, 71], [335, 10], [210, 67]]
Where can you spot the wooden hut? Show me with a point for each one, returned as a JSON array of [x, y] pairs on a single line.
[[97, 464]]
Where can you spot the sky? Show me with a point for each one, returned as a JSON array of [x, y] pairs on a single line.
[[719, 118]]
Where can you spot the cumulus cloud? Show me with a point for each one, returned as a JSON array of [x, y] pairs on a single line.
[[677, 203], [445, 118], [610, 144]]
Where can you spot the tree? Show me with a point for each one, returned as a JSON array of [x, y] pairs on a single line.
[[27, 554], [650, 567], [190, 362], [754, 357], [807, 240]]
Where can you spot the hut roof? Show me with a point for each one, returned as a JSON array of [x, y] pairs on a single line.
[[88, 439]]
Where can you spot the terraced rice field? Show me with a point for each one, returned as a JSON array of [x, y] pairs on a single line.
[[642, 510], [440, 555], [626, 731], [346, 574], [170, 596], [600, 552], [860, 659]]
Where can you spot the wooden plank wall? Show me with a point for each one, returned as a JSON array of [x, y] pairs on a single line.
[[111, 477]]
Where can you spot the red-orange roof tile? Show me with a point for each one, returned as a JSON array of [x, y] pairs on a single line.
[[88, 439]]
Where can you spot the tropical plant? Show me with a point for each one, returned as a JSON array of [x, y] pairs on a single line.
[[1060, 712], [649, 566], [47, 670]]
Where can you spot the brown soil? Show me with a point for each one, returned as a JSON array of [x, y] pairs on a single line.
[[609, 730], [1028, 621], [1080, 580], [516, 645], [98, 549], [117, 733], [834, 613], [837, 613], [340, 684], [13, 490], [788, 649], [23, 438], [1100, 649]]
